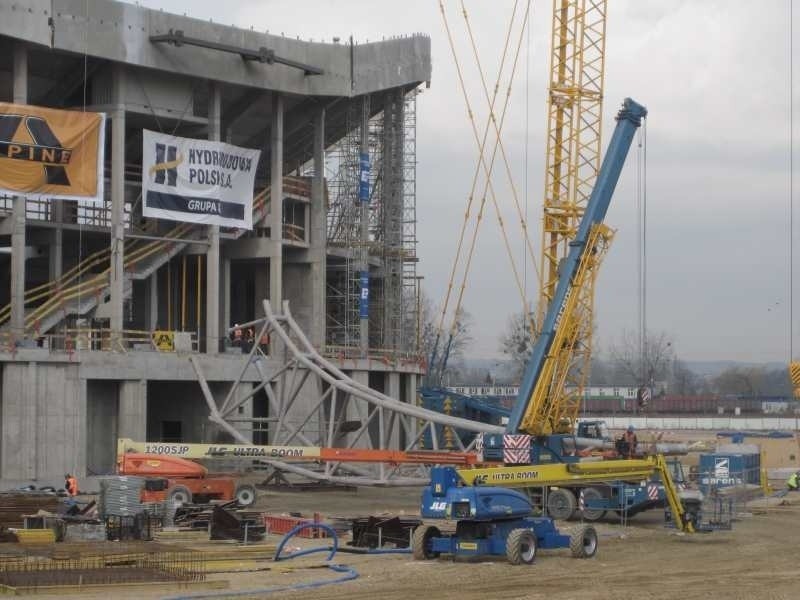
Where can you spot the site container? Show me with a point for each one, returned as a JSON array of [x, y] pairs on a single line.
[[727, 469]]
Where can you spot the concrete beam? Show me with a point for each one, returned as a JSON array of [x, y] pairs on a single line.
[[120, 32]]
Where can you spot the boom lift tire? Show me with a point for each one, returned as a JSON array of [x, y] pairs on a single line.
[[521, 547], [592, 514], [583, 543], [245, 494], [179, 494], [561, 503], [421, 542]]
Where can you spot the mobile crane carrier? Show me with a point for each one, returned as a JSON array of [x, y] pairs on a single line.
[[491, 519]]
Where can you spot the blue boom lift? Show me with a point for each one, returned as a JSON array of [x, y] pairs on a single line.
[[497, 520]]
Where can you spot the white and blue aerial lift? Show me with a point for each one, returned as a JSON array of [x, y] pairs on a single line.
[[492, 519]]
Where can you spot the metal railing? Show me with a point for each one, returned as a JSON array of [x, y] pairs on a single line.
[[84, 339]]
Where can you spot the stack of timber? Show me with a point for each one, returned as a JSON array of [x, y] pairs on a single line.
[[15, 505]]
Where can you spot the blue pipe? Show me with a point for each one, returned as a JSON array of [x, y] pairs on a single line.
[[349, 572]]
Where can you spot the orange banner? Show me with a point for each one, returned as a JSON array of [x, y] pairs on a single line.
[[51, 153]]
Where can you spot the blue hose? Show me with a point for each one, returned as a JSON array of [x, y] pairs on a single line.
[[349, 573]]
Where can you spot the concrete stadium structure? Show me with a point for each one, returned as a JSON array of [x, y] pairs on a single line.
[[88, 285]]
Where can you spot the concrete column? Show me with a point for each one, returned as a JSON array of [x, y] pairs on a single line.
[[226, 293], [411, 398], [56, 257], [117, 202], [276, 203], [393, 391], [17, 317], [317, 237], [43, 422], [132, 421], [151, 310], [363, 255], [354, 412], [212, 258], [245, 411]]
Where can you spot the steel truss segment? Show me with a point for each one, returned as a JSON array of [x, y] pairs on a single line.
[[313, 403]]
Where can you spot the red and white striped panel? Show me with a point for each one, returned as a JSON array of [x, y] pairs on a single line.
[[515, 440], [513, 456], [652, 492]]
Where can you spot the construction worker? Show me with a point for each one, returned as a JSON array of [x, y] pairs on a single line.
[[793, 483], [237, 335], [630, 442], [251, 334], [71, 484], [264, 343]]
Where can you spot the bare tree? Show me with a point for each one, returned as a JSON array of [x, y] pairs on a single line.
[[517, 342], [683, 381], [742, 381], [445, 349], [642, 361]]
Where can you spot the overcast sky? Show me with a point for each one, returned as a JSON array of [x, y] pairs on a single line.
[[715, 78]]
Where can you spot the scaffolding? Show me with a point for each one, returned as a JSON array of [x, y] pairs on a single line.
[[343, 233], [389, 247]]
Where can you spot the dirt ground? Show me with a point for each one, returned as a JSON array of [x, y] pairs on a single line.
[[758, 559], [643, 560]]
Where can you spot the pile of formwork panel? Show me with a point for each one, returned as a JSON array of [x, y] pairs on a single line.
[[15, 505], [121, 496]]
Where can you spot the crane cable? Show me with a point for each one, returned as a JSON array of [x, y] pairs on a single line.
[[641, 217], [487, 171], [791, 184], [488, 186], [520, 214]]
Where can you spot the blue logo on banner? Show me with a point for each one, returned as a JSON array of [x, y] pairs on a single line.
[[363, 187], [363, 305]]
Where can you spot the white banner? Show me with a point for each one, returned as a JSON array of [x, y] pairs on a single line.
[[198, 181]]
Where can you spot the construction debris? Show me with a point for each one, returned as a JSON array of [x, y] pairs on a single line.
[[15, 505], [379, 532]]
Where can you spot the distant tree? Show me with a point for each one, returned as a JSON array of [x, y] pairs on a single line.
[[642, 363], [452, 342], [517, 342], [601, 372], [682, 381], [740, 381]]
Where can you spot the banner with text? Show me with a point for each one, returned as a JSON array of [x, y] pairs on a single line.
[[198, 181], [50, 153]]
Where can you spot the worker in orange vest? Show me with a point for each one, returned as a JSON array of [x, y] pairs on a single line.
[[71, 484], [630, 442]]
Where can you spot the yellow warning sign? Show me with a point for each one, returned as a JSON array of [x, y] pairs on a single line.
[[164, 341]]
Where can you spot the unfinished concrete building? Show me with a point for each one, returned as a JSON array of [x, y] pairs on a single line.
[[89, 284]]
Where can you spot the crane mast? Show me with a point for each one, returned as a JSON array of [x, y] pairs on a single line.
[[575, 106], [537, 411]]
